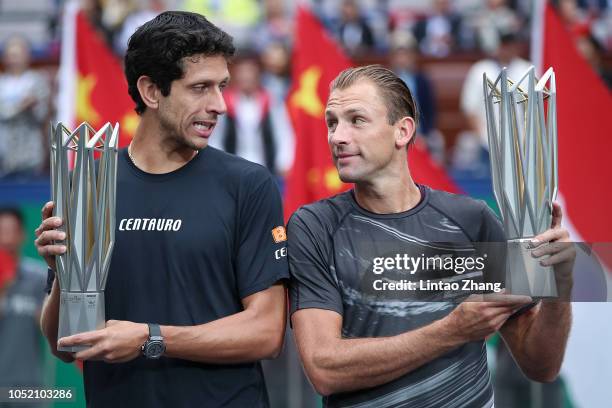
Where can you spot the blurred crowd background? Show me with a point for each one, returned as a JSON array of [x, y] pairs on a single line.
[[438, 47]]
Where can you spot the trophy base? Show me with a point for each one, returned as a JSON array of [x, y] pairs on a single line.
[[525, 275], [80, 312]]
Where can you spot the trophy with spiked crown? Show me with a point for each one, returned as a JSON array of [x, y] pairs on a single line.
[[522, 130], [84, 198]]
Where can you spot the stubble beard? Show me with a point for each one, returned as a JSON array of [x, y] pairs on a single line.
[[174, 134]]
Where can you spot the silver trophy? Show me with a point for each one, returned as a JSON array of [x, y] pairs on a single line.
[[85, 199], [522, 130]]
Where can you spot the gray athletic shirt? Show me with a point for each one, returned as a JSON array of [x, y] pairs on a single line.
[[332, 246]]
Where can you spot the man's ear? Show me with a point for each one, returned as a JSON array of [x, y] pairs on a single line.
[[149, 92], [405, 131]]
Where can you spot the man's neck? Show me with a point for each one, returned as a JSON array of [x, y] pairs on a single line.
[[392, 194], [154, 153]]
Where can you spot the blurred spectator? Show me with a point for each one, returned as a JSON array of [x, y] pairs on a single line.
[[115, 12], [601, 29], [354, 33], [592, 51], [248, 129], [276, 80], [276, 27], [588, 18], [493, 21], [237, 17], [377, 14], [404, 15], [20, 305], [439, 34], [135, 19], [327, 11], [93, 10], [403, 60], [574, 18], [275, 77], [24, 103], [472, 145]]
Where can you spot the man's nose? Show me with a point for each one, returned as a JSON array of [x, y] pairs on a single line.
[[216, 104], [340, 135]]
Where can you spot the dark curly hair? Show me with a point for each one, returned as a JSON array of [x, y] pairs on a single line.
[[158, 47]]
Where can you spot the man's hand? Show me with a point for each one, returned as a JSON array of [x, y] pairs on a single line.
[[48, 232], [475, 319], [555, 242], [118, 342]]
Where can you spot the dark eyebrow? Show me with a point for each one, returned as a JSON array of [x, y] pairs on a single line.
[[329, 113], [209, 82]]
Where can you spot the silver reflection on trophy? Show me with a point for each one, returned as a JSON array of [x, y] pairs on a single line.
[[522, 130], [85, 199]]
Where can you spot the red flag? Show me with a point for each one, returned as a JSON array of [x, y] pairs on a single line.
[[584, 131], [98, 83], [316, 61], [425, 170]]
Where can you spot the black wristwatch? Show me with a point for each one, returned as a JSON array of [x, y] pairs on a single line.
[[154, 347]]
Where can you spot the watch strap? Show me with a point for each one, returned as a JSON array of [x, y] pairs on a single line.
[[154, 330]]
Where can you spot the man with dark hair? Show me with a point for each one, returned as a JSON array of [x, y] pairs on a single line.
[[365, 337], [210, 286]]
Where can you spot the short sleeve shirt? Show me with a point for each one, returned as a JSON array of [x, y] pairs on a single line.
[[339, 253]]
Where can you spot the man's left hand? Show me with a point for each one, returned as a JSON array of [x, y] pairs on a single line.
[[119, 342]]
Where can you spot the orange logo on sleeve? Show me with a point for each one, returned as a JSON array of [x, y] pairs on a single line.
[[279, 234]]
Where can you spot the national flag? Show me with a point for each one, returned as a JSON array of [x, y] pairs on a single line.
[[93, 87], [316, 61], [584, 129]]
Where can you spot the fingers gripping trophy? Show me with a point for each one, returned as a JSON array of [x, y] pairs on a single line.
[[522, 131], [85, 199]]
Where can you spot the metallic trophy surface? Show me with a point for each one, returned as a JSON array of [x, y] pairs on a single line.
[[84, 198], [522, 131]]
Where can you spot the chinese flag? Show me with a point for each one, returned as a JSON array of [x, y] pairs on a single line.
[[101, 88], [583, 106], [317, 60]]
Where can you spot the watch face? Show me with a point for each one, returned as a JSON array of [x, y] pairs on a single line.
[[154, 349]]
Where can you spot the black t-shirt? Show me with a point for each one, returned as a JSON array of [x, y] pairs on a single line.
[[335, 251], [190, 245]]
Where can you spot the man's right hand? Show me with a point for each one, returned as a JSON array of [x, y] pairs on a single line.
[[476, 318], [48, 232]]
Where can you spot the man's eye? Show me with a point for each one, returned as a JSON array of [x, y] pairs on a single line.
[[199, 88], [358, 120], [331, 124]]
